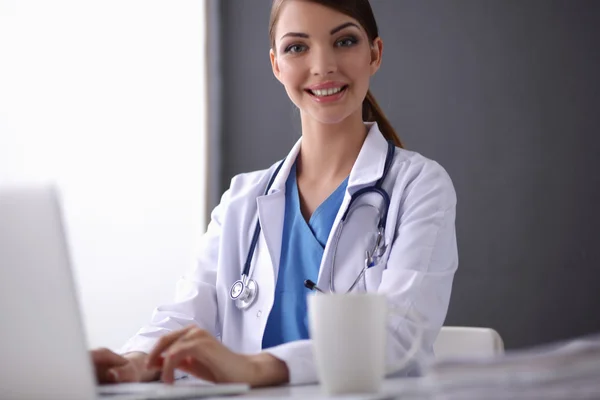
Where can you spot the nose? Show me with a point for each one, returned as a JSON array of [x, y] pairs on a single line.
[[323, 61]]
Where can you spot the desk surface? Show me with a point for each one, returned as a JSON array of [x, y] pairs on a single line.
[[392, 388]]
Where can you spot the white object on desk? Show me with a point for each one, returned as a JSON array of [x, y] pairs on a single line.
[[349, 335], [459, 341], [44, 354], [348, 331], [556, 371]]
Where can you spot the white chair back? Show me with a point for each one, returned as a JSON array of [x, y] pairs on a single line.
[[459, 341]]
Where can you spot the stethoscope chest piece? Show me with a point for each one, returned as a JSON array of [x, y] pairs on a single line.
[[244, 294]]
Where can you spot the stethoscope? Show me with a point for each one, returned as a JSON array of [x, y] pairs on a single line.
[[245, 290]]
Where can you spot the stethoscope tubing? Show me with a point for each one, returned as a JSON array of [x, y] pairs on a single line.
[[338, 234], [246, 279]]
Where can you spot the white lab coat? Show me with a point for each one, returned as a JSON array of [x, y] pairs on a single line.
[[418, 274]]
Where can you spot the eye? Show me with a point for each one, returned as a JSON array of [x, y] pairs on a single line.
[[295, 48], [346, 42]]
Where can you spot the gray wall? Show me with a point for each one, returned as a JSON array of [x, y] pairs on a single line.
[[505, 95]]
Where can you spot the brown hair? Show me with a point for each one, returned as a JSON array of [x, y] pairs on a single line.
[[361, 11]]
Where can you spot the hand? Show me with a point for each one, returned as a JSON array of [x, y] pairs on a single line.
[[198, 353], [113, 368]]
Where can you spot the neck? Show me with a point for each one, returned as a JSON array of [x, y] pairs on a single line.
[[328, 151]]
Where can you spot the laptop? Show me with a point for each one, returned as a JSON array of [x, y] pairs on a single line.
[[42, 342]]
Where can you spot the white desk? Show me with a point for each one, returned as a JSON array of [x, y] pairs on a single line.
[[392, 388]]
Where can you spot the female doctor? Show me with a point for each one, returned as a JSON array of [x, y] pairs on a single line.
[[347, 209]]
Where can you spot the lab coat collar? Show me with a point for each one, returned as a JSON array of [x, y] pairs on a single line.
[[368, 167], [281, 178], [370, 163]]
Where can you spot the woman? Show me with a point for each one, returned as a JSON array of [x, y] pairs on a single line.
[[324, 52]]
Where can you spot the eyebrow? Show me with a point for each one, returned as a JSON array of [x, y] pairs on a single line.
[[331, 32]]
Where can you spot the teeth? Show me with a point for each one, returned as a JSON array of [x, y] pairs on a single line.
[[326, 92]]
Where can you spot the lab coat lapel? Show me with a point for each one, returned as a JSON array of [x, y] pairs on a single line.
[[367, 169], [271, 214]]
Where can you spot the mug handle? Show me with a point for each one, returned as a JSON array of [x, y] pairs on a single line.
[[410, 354]]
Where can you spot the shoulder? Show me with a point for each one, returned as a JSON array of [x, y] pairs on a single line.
[[420, 176], [251, 184], [243, 191]]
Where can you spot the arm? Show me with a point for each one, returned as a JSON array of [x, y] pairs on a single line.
[[422, 262], [195, 301], [420, 269]]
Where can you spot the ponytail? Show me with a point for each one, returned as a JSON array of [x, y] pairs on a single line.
[[373, 113]]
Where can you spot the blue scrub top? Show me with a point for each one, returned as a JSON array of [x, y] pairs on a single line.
[[301, 253]]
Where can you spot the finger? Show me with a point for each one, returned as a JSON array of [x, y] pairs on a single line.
[[106, 375], [105, 357], [194, 334], [164, 343], [179, 355], [196, 368], [126, 373]]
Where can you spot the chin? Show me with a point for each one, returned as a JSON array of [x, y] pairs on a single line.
[[330, 121], [330, 117], [325, 114]]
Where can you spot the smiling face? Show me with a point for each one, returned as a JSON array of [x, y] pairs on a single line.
[[324, 59]]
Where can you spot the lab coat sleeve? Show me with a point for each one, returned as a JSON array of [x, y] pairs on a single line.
[[195, 297], [421, 265], [417, 279]]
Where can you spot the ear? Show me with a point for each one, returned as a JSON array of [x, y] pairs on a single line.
[[376, 53], [275, 65]]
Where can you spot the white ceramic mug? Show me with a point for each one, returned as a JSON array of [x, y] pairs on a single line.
[[349, 341]]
